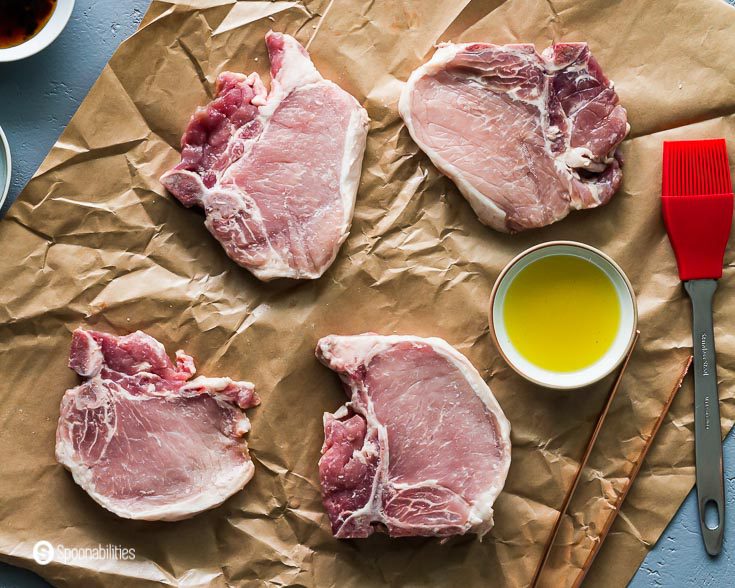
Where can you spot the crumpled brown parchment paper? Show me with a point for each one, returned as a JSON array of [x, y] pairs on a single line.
[[95, 240]]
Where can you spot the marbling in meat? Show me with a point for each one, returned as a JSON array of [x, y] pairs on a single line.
[[525, 137], [276, 173], [142, 438], [421, 448]]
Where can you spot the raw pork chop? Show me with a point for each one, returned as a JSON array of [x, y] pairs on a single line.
[[421, 448], [276, 173], [525, 137], [144, 440]]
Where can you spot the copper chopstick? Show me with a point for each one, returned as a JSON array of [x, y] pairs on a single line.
[[583, 463], [631, 478]]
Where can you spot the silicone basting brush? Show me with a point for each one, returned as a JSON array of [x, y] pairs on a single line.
[[697, 204]]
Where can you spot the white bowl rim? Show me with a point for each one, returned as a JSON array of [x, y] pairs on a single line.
[[5, 187], [553, 381], [44, 37]]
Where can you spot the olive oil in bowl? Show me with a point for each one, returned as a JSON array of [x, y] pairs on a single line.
[[563, 314]]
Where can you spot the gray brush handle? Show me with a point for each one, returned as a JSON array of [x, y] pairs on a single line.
[[707, 439]]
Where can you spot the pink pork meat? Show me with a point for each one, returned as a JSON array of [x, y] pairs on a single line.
[[276, 173], [526, 138], [422, 447], [142, 438]]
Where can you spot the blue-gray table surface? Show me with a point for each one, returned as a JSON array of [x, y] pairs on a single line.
[[39, 95]]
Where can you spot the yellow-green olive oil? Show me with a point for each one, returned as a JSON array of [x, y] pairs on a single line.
[[561, 313]]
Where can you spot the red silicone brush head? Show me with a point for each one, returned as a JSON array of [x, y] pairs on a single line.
[[697, 205]]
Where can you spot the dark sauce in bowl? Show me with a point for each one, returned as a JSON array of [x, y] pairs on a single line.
[[22, 19]]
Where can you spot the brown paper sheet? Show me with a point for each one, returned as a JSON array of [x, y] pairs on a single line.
[[95, 240]]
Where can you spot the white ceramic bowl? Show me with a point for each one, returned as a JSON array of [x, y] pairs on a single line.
[[614, 355], [5, 167], [44, 37]]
